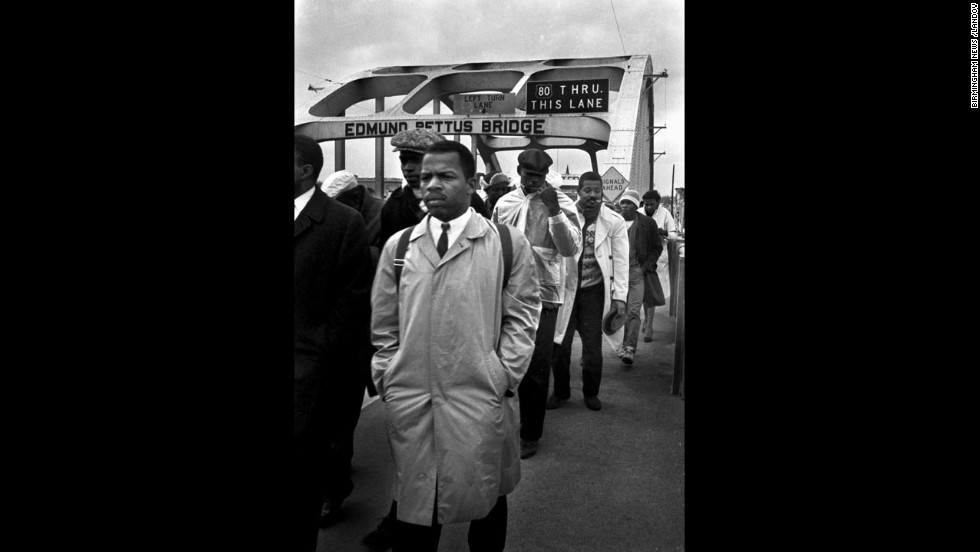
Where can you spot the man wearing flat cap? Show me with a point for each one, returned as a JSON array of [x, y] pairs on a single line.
[[646, 245], [404, 206], [549, 220]]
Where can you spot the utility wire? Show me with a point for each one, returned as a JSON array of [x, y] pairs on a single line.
[[317, 76], [617, 27]]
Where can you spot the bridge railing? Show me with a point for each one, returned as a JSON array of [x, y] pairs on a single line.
[[676, 251]]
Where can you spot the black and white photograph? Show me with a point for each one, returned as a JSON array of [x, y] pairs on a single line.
[[489, 285]]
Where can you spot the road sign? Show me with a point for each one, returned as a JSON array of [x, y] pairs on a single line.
[[483, 104], [581, 96], [613, 184]]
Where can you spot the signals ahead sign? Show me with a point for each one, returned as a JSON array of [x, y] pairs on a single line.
[[613, 184], [567, 96]]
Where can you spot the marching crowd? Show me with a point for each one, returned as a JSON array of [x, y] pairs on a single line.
[[453, 300]]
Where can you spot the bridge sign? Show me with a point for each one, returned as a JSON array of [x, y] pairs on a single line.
[[581, 96], [482, 104], [613, 184]]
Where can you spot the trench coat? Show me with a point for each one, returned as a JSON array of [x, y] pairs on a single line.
[[612, 251], [452, 349]]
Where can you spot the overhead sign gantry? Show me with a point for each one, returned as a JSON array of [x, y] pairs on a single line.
[[589, 104]]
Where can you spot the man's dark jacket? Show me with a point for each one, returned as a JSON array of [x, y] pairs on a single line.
[[331, 299], [371, 213], [649, 243]]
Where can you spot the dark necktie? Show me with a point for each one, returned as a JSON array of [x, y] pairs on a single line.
[[443, 244]]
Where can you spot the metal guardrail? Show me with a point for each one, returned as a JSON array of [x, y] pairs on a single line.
[[673, 244], [677, 304]]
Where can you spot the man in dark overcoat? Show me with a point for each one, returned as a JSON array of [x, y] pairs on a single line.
[[331, 297]]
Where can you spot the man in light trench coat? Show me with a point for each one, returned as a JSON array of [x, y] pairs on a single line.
[[453, 347]]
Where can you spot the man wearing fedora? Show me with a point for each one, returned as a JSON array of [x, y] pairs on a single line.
[[549, 220], [596, 286], [646, 245]]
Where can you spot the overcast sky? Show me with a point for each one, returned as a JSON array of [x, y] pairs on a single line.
[[335, 39]]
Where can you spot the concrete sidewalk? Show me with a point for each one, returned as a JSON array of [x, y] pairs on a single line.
[[602, 480]]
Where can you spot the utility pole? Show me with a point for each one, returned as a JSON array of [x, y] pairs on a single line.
[[653, 128], [340, 152], [379, 154], [673, 201]]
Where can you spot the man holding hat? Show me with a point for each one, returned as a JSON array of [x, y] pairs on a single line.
[[646, 245], [596, 287], [549, 220], [404, 206]]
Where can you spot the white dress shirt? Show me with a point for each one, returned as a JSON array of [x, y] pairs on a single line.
[[455, 227], [300, 202]]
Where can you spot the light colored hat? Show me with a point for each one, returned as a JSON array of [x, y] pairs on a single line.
[[633, 197], [500, 178], [339, 182]]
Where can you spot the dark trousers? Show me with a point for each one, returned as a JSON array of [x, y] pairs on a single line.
[[485, 535], [307, 498], [337, 482], [533, 390], [586, 318]]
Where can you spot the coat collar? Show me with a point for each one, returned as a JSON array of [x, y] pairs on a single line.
[[604, 221], [313, 212], [475, 228]]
